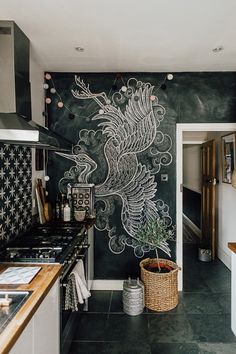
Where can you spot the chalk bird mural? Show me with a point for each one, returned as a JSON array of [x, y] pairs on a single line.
[[129, 126]]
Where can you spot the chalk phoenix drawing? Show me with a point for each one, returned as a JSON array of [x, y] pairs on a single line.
[[129, 123]]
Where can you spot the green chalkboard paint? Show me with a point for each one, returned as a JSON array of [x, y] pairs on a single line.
[[111, 145]]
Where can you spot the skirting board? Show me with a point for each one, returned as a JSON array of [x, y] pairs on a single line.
[[111, 285], [102, 284], [224, 257]]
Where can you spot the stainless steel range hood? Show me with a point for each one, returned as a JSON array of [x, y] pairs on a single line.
[[18, 128], [15, 129]]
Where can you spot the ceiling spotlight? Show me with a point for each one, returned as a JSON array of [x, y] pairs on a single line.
[[79, 49], [218, 49]]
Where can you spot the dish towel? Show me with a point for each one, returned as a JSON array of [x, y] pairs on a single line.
[[76, 288]]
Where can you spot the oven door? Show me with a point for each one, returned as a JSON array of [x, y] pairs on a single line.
[[68, 316]]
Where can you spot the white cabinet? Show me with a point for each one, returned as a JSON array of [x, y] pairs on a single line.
[[25, 342], [47, 324], [42, 334], [233, 292]]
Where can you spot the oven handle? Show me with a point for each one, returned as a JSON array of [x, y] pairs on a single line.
[[64, 284], [78, 257]]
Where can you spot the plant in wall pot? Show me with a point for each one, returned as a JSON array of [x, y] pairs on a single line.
[[159, 275]]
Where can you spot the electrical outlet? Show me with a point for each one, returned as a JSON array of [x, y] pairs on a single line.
[[164, 177]]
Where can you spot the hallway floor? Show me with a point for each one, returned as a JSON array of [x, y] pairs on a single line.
[[199, 324]]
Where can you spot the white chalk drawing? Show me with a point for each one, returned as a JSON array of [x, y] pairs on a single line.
[[133, 151]]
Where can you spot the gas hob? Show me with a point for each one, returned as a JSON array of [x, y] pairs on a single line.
[[51, 243]]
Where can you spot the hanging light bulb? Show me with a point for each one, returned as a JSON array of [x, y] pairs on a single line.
[[48, 100], [48, 76], [101, 111], [60, 104], [123, 88], [53, 90], [170, 77], [45, 86]]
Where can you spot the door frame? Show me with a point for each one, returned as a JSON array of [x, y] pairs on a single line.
[[180, 129]]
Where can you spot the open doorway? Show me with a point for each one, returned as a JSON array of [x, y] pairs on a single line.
[[214, 130]]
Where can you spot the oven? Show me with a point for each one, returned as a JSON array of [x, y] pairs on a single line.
[[80, 252], [59, 243]]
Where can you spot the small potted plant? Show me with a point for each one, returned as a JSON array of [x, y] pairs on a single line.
[[156, 233], [159, 275]]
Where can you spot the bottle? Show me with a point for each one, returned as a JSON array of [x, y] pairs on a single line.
[[58, 208], [66, 212], [62, 199]]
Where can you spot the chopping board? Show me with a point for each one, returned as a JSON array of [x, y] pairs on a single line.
[[18, 275], [42, 219], [44, 207]]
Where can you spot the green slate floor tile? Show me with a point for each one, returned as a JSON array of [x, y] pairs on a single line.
[[211, 328], [99, 301], [169, 328], [124, 327], [200, 303], [217, 348], [78, 347], [128, 347], [90, 327], [175, 348], [116, 302]]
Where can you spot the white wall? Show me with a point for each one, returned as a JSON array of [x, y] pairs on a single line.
[[37, 102], [226, 208], [192, 167], [196, 137]]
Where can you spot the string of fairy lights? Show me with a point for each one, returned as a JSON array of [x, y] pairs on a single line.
[[49, 85]]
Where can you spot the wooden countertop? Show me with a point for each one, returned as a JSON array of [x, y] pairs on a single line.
[[39, 286], [232, 246]]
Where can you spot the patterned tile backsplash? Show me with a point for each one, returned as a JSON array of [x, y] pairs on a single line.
[[15, 190]]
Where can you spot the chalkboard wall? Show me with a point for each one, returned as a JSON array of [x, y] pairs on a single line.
[[123, 128]]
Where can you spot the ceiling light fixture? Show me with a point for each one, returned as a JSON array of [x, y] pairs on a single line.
[[79, 49], [218, 49]]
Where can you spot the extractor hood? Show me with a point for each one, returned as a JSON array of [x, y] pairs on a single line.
[[17, 127]]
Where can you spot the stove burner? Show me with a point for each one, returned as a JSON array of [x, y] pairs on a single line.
[[37, 253], [44, 244]]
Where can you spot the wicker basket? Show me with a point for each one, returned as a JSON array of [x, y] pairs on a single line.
[[160, 289]]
